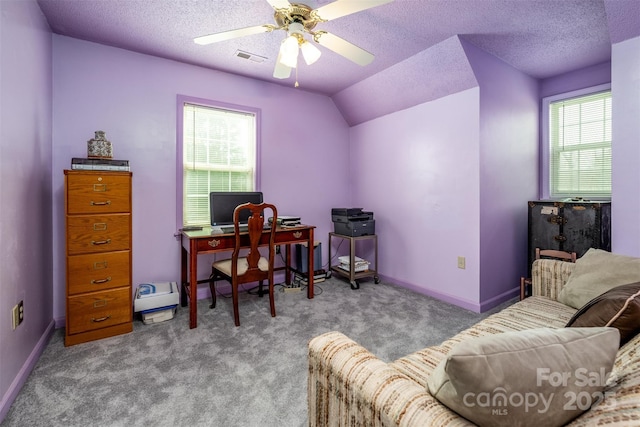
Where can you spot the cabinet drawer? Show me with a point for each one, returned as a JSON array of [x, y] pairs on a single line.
[[98, 193], [98, 310], [98, 272], [98, 233]]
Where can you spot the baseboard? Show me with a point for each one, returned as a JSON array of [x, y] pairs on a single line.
[[23, 374], [469, 305], [499, 299]]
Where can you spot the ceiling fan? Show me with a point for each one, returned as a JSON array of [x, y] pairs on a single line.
[[297, 19]]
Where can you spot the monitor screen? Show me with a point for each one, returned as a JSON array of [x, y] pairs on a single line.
[[222, 205]]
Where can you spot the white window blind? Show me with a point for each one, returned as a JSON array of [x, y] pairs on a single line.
[[219, 154], [580, 146]]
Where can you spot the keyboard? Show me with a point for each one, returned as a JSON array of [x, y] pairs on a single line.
[[230, 229], [243, 228]]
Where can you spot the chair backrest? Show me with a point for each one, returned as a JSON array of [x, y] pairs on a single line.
[[552, 253], [252, 239]]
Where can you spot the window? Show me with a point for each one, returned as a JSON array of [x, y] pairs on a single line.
[[578, 144], [217, 151]]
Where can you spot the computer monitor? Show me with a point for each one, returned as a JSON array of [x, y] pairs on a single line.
[[223, 203]]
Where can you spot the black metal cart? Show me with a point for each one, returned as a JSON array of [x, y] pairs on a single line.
[[353, 275]]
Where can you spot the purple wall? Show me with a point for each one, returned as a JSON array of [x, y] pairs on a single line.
[[417, 170], [25, 192], [625, 198], [450, 178], [508, 172], [133, 98]]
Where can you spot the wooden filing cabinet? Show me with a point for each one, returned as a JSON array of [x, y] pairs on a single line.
[[98, 258]]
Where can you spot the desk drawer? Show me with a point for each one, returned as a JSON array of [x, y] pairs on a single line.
[[98, 310], [98, 272], [292, 235], [98, 233], [227, 241], [98, 193]]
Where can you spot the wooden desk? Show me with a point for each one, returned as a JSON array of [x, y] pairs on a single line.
[[203, 241]]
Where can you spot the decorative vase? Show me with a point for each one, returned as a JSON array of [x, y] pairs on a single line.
[[99, 147]]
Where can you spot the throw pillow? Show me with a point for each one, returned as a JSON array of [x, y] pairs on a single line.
[[526, 378], [618, 308], [596, 272]]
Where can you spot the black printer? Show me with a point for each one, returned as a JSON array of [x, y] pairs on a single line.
[[353, 222]]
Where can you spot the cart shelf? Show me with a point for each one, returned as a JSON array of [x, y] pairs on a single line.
[[351, 274]]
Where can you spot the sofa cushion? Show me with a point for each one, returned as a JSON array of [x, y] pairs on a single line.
[[531, 313], [618, 307], [525, 378], [596, 272]]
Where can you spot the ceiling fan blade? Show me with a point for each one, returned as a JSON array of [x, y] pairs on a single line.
[[344, 48], [281, 71], [228, 35], [341, 8], [279, 4]]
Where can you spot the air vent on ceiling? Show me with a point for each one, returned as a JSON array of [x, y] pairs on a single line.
[[250, 56]]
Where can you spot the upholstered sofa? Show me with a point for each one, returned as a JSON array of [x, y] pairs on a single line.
[[349, 386]]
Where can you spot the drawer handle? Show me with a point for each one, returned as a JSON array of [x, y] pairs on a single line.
[[100, 242], [297, 234], [101, 281], [100, 319], [214, 243], [100, 265], [99, 188], [100, 226], [108, 202]]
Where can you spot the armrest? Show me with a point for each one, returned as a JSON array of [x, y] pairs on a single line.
[[348, 385], [548, 276]]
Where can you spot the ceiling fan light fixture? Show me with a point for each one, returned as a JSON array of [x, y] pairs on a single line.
[[310, 53], [289, 51], [297, 19]]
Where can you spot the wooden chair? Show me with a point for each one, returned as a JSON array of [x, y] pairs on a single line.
[[545, 253], [253, 267]]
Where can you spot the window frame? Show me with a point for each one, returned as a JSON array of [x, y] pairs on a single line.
[[545, 158], [207, 103]]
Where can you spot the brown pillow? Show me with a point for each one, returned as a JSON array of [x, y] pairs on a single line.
[[618, 308]]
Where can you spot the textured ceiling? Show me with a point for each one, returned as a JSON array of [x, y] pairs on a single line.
[[542, 38]]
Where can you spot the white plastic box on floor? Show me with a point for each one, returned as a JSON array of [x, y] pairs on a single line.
[[156, 302]]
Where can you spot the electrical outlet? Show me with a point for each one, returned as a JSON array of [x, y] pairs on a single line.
[[461, 262], [17, 314]]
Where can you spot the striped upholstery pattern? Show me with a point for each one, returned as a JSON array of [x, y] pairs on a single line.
[[347, 385]]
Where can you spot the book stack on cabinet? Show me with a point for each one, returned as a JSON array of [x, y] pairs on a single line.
[[98, 255]]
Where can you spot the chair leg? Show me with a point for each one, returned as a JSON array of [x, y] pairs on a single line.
[[271, 299], [236, 314], [260, 289], [524, 284], [212, 287]]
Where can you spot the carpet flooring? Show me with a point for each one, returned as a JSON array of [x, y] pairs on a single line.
[[166, 374]]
